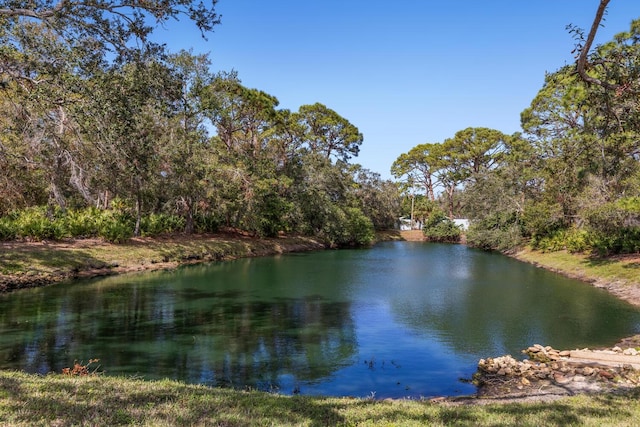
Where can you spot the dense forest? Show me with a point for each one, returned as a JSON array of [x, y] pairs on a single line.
[[571, 178], [106, 133]]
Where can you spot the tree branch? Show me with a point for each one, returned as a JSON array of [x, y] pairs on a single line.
[[584, 52], [32, 13]]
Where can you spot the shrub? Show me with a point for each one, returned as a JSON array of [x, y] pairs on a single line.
[[272, 212], [154, 224], [542, 219], [552, 242], [439, 228], [115, 227], [82, 222], [503, 238], [8, 229], [577, 241], [332, 227], [624, 240], [347, 227], [614, 227], [573, 240], [34, 223], [207, 223], [360, 230]]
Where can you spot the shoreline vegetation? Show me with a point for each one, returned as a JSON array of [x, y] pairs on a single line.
[[32, 264], [59, 399]]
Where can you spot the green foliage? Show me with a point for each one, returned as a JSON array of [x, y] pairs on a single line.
[[271, 210], [496, 232], [114, 225], [577, 240], [581, 240], [542, 219], [422, 207], [360, 230], [127, 139], [38, 224], [155, 224], [614, 227], [328, 133], [551, 242], [493, 204], [379, 200], [572, 178], [501, 239], [625, 240], [629, 205], [82, 222], [330, 224], [347, 228], [439, 228], [8, 229], [207, 222]]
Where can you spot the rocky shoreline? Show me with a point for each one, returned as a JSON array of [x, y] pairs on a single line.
[[551, 373]]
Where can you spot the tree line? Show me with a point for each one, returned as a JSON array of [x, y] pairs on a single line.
[[106, 133], [571, 178]]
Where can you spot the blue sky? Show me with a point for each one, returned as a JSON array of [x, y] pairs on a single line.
[[404, 72]]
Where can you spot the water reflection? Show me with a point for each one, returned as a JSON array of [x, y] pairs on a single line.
[[401, 319], [220, 338], [507, 305]]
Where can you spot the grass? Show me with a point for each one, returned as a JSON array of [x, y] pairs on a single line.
[[61, 400], [28, 263], [621, 269]]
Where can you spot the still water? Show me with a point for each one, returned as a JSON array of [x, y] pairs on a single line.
[[403, 319]]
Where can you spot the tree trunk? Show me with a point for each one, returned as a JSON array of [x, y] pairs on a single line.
[[136, 230], [189, 226], [450, 192]]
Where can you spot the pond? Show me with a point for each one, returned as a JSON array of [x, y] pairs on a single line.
[[403, 319]]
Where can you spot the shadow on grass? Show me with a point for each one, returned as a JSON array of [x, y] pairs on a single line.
[[43, 266], [61, 400], [604, 407], [55, 399], [200, 250], [602, 261], [624, 267]]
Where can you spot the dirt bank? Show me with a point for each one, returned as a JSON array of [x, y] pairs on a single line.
[[32, 264]]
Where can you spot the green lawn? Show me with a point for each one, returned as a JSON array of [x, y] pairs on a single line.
[[62, 400]]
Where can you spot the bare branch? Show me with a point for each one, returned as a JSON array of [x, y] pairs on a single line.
[[584, 52]]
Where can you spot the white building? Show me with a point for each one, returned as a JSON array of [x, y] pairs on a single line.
[[462, 223]]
